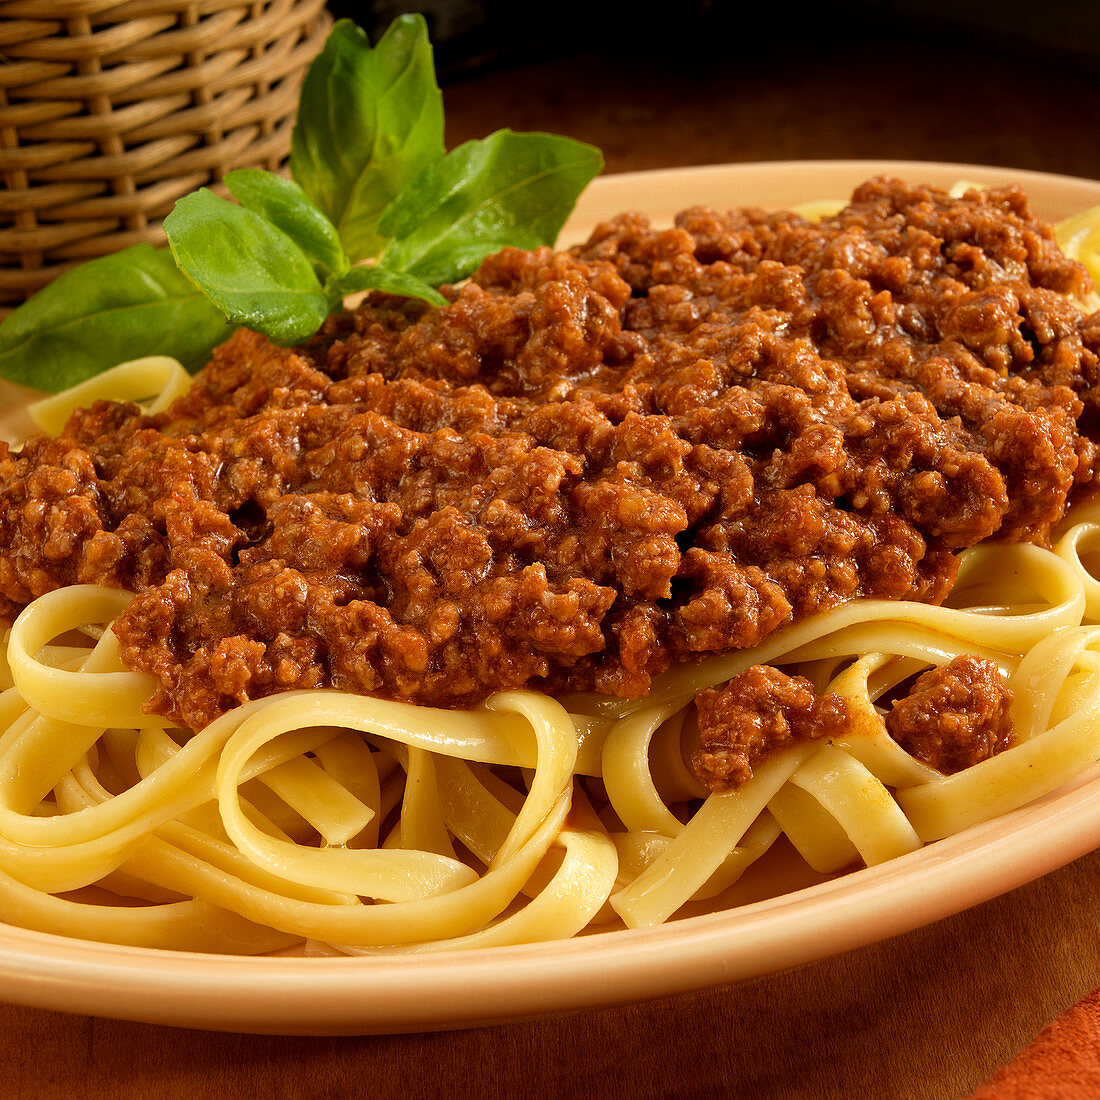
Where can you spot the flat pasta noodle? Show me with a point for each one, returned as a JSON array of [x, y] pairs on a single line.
[[156, 380], [479, 845], [321, 822]]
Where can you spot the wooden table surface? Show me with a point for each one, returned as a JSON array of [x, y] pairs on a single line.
[[927, 1015]]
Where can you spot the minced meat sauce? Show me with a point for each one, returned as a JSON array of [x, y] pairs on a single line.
[[953, 717], [758, 711], [589, 465]]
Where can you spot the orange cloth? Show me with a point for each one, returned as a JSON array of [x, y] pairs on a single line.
[[1063, 1063]]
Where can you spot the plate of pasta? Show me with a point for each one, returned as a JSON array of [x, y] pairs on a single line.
[[300, 857]]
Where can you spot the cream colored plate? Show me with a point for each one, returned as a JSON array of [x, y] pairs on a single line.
[[375, 995]]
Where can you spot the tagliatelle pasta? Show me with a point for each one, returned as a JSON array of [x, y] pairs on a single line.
[[496, 826], [329, 822]]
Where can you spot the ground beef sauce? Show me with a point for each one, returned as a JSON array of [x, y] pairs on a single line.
[[955, 715], [590, 465], [758, 711], [952, 717]]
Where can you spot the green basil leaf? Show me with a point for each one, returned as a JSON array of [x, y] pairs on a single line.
[[283, 203], [374, 277], [508, 189], [368, 121], [251, 270], [132, 303]]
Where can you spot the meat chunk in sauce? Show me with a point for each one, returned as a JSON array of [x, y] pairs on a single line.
[[760, 711], [589, 465], [955, 715]]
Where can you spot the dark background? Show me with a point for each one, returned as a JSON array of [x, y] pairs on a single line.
[[470, 35], [1014, 83]]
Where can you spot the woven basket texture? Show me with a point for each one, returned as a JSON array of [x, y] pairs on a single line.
[[110, 111]]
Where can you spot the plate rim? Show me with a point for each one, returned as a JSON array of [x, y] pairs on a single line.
[[385, 994]]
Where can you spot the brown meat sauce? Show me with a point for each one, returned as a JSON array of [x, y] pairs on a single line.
[[952, 717], [955, 716], [589, 465], [758, 712]]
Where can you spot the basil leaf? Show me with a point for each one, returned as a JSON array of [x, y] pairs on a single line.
[[368, 122], [251, 270], [374, 277], [132, 303], [284, 204], [508, 189], [370, 176]]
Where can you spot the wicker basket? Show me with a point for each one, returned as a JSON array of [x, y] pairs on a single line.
[[110, 111]]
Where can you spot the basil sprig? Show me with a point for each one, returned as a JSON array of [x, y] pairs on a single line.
[[374, 203]]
